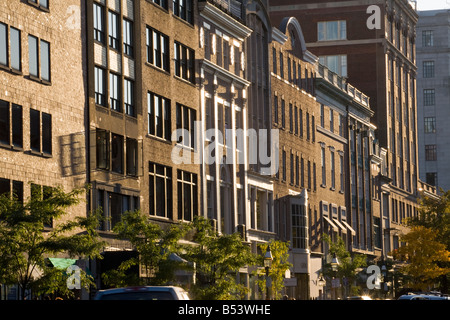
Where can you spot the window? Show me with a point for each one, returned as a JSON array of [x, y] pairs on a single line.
[[377, 232], [428, 97], [100, 86], [40, 3], [162, 3], [184, 62], [187, 195], [132, 157], [291, 118], [11, 125], [428, 69], [185, 121], [308, 128], [283, 113], [128, 37], [333, 170], [299, 227], [117, 153], [115, 92], [129, 97], [160, 190], [275, 108], [11, 58], [4, 44], [284, 165], [331, 120], [292, 167], [274, 60], [40, 132], [183, 9], [296, 120], [332, 30], [324, 169], [39, 58], [430, 124], [281, 65], [342, 172], [432, 178], [427, 38], [102, 149], [157, 49], [159, 116], [322, 115], [99, 23], [114, 30], [337, 64], [430, 152], [113, 206]]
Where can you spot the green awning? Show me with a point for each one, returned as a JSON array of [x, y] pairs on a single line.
[[61, 263]]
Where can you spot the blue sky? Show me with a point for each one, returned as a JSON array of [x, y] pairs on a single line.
[[433, 4]]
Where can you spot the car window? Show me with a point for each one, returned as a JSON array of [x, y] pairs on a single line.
[[149, 295]]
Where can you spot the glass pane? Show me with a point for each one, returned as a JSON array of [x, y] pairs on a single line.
[[3, 44], [45, 60], [17, 126], [15, 49], [46, 133], [332, 30], [33, 56], [4, 122], [35, 130]]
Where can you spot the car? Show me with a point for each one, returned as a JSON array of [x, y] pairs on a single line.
[[143, 293], [423, 297], [359, 298]]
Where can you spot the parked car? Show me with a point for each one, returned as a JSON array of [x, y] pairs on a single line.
[[423, 297], [143, 293], [359, 298]]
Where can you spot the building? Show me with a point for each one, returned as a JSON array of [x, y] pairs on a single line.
[[433, 96], [294, 110], [42, 115], [378, 59]]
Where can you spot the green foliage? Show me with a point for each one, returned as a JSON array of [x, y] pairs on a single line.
[[155, 246], [25, 246], [348, 264], [217, 259], [277, 271]]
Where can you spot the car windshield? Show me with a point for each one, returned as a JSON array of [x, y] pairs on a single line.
[[147, 295]]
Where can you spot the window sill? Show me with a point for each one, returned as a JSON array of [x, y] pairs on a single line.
[[169, 142], [166, 72], [185, 81], [40, 154], [11, 70], [38, 6], [39, 80], [11, 147]]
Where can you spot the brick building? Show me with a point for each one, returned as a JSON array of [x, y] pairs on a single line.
[[42, 115], [380, 62]]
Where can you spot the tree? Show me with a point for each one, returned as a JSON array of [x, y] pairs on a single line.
[[434, 213], [348, 264], [423, 254], [155, 247], [277, 271], [26, 244], [217, 259]]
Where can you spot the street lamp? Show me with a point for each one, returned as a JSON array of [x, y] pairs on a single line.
[[268, 258], [334, 263], [334, 267]]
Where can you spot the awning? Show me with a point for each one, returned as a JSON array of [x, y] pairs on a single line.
[[335, 228], [349, 228], [61, 263], [336, 221]]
